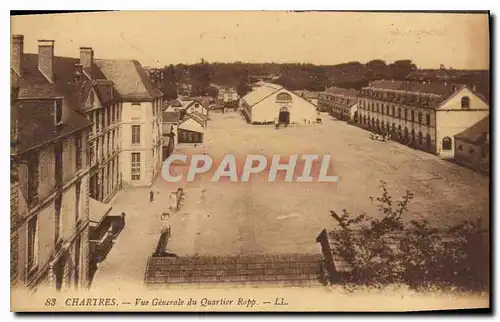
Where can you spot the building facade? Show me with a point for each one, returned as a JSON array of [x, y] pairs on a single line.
[[425, 116], [267, 103], [227, 95], [340, 103], [472, 146], [140, 121], [50, 189]]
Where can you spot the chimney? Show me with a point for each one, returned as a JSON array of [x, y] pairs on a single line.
[[46, 58], [86, 60], [16, 53], [77, 75]]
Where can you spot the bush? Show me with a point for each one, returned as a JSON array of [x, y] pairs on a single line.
[[385, 250]]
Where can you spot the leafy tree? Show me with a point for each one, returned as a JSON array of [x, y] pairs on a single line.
[[243, 87], [400, 69], [385, 250], [200, 77], [169, 86], [213, 92]]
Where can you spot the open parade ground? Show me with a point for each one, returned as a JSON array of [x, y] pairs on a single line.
[[261, 217]]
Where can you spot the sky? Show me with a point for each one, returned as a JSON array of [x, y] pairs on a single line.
[[159, 38]]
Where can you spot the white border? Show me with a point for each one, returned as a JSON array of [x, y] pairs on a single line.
[[492, 5]]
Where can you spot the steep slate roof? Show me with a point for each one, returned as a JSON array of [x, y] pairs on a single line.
[[283, 269], [475, 133], [36, 123], [435, 93], [436, 88], [130, 79], [35, 109]]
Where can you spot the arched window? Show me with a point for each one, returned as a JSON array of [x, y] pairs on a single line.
[[283, 97], [465, 102], [446, 143]]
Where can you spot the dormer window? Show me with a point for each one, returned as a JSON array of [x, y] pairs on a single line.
[[465, 102], [58, 112]]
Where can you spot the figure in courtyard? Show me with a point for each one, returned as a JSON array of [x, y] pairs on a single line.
[[151, 196]]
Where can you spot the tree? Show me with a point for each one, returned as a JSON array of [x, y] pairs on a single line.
[[377, 69], [400, 69], [213, 92], [384, 249], [169, 86], [243, 87], [200, 77]]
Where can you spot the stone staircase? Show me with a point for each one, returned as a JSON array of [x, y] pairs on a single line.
[[266, 270]]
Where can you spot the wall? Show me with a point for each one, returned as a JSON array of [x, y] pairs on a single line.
[[150, 138], [268, 109], [398, 119], [451, 119], [45, 209], [470, 155]]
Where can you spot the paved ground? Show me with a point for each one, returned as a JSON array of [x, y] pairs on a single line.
[[262, 217]]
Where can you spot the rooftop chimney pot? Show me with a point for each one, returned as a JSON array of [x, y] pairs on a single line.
[[87, 59], [17, 51], [46, 58]]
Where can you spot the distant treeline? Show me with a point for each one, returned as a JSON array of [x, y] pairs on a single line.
[[308, 76]]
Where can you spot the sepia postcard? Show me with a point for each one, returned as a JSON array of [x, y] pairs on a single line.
[[250, 161]]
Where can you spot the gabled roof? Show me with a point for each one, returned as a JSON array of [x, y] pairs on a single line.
[[476, 133], [191, 123], [195, 101], [437, 88], [260, 93], [200, 118], [130, 79], [198, 115]]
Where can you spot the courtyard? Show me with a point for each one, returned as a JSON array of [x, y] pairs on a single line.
[[261, 217]]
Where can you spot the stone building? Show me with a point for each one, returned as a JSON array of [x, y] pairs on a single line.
[[51, 214], [340, 103], [472, 146], [269, 102], [140, 121], [423, 115], [102, 106]]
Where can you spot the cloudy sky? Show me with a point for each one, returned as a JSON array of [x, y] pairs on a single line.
[[157, 38]]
